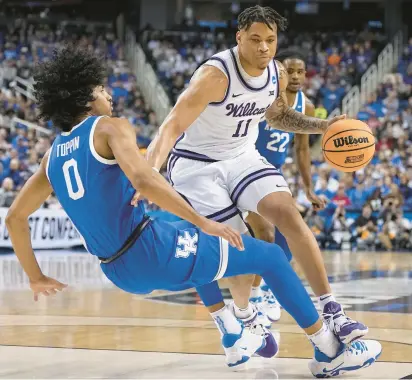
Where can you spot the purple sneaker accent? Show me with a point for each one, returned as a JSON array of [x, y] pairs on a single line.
[[332, 308], [271, 348], [346, 329]]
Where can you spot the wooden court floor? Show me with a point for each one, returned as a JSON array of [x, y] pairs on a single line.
[[93, 330]]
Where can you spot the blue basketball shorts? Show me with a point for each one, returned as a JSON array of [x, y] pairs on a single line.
[[169, 256]]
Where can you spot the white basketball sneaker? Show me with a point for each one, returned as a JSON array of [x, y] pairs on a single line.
[[271, 306], [239, 348], [252, 323], [351, 357], [262, 318]]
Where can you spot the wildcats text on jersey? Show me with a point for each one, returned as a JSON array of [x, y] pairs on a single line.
[[241, 110]]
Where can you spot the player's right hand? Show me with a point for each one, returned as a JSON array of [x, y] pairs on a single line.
[[46, 286], [226, 232]]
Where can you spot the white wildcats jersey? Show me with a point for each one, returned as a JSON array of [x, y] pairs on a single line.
[[226, 129]]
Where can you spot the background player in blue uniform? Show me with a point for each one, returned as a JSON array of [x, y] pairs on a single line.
[[94, 167], [274, 146]]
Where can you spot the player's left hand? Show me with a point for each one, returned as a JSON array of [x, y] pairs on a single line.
[[46, 286], [335, 119], [318, 202], [223, 230]]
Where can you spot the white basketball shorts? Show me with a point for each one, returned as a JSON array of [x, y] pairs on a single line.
[[224, 190]]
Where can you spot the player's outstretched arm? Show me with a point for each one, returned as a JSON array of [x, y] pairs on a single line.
[[303, 159], [281, 116], [33, 194], [120, 140], [208, 85]]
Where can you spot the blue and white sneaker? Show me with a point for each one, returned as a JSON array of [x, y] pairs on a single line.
[[271, 347], [355, 356], [346, 329], [239, 348], [271, 305], [262, 317]]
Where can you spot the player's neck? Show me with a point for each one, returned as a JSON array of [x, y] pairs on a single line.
[[82, 118], [291, 96], [249, 69]]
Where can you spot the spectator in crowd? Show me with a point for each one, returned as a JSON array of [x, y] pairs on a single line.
[[341, 199], [340, 227], [320, 112], [7, 193], [365, 229], [396, 232]]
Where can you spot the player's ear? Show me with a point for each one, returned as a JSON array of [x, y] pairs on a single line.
[[238, 36]]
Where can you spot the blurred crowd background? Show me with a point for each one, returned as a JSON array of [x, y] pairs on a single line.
[[370, 209]]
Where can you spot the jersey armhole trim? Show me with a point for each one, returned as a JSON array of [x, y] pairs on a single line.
[[303, 102], [48, 163], [226, 70], [296, 102], [93, 150], [277, 78]]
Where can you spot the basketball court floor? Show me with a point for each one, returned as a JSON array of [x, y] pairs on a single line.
[[93, 330]]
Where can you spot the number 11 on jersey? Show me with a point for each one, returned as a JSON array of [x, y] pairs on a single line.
[[239, 127]]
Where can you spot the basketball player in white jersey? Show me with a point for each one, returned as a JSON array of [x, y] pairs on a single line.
[[211, 134]]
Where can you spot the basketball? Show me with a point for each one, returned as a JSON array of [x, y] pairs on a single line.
[[348, 145]]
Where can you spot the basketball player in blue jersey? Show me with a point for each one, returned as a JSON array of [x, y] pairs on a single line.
[[210, 135], [94, 167], [274, 145]]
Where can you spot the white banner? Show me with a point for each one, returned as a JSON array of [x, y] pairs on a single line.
[[48, 229]]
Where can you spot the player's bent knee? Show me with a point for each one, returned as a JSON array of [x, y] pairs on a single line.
[[284, 216]]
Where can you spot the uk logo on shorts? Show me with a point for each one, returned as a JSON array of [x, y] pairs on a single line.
[[186, 245]]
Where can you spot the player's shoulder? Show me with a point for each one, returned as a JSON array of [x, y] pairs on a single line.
[[45, 159], [309, 106], [209, 75], [283, 75], [282, 70], [112, 125]]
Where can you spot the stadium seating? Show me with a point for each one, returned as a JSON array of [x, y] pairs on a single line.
[[334, 61], [334, 64], [22, 148]]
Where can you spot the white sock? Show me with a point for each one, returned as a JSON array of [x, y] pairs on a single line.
[[226, 322], [326, 341], [243, 313], [256, 292], [323, 300]]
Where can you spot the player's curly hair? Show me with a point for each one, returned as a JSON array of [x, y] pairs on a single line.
[[265, 15], [64, 85], [290, 54]]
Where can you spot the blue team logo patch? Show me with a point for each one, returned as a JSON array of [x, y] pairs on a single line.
[[274, 79], [186, 244]]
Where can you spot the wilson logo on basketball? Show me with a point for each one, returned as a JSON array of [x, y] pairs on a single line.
[[350, 140], [354, 159]]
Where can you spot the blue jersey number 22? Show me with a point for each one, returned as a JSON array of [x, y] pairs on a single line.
[[279, 142]]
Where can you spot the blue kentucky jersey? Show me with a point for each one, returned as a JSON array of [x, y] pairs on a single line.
[[94, 191], [273, 144]]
